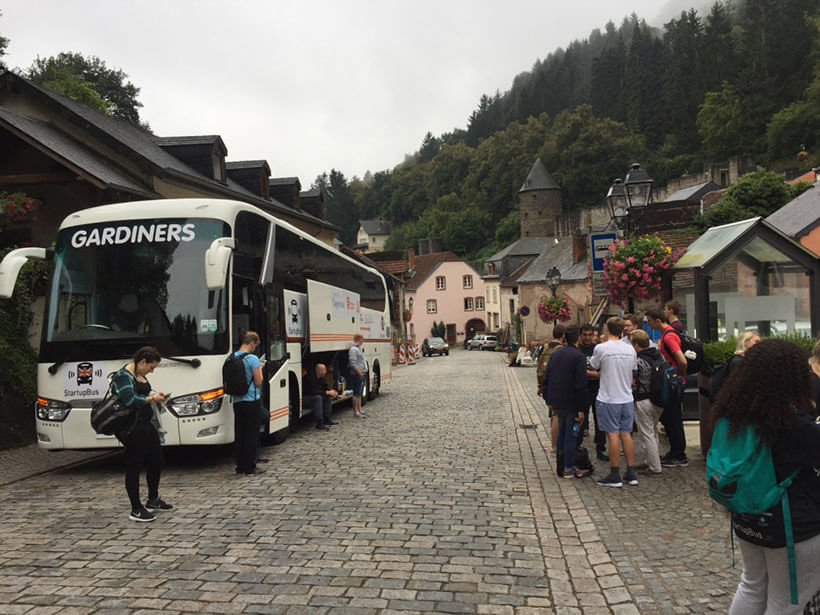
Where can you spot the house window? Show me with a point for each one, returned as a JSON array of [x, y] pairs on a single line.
[[490, 268], [468, 304], [479, 303], [488, 294], [431, 306], [468, 281], [441, 283], [495, 295], [410, 304], [495, 318]]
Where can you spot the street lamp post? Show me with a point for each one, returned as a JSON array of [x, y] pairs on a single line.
[[553, 281], [627, 200]]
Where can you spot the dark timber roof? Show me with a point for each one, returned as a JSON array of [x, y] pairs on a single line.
[[539, 179]]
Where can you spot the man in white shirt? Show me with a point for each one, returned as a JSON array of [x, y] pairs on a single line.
[[617, 363]]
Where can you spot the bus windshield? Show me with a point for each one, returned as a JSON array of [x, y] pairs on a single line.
[[126, 284]]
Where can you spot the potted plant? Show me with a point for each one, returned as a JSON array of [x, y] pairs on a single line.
[[555, 308], [634, 267]]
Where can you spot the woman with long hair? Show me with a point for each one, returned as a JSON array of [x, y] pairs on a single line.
[[771, 393], [141, 439]]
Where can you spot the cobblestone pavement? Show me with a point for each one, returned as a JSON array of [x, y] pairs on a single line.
[[438, 502]]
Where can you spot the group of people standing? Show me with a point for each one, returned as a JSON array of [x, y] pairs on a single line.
[[767, 385], [583, 371]]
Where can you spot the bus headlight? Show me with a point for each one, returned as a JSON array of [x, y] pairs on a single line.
[[207, 402], [51, 409]]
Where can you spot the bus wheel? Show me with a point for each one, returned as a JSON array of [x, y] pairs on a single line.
[[277, 437], [376, 385], [366, 390]]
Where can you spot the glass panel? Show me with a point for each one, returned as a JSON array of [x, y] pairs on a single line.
[[711, 242], [759, 290], [134, 283]]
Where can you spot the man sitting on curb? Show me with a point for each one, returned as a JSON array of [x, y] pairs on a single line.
[[317, 395]]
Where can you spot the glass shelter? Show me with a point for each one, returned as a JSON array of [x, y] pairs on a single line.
[[747, 275]]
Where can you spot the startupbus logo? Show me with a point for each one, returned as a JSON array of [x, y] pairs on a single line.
[[138, 233]]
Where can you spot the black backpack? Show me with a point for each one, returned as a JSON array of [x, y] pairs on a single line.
[[719, 375], [664, 382], [692, 349], [233, 375]]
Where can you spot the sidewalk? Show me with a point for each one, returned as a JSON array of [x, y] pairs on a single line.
[[19, 463], [661, 547]]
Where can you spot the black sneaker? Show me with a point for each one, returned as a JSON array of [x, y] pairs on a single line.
[[331, 422], [675, 462], [140, 514], [322, 426], [610, 481], [158, 504], [630, 478]]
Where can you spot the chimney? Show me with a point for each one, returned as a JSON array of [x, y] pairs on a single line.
[[411, 259], [579, 247]]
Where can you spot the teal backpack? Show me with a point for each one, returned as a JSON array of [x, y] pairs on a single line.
[[740, 473]]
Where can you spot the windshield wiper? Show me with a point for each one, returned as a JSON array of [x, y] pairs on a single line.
[[192, 362], [52, 369]]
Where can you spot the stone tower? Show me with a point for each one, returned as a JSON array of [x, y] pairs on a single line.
[[540, 203]]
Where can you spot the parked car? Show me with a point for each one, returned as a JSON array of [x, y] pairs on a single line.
[[489, 342], [434, 345], [476, 342]]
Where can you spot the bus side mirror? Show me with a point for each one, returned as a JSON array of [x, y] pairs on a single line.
[[11, 265], [217, 259]]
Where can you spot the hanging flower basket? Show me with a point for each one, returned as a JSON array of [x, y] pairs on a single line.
[[634, 267], [408, 315], [18, 209], [555, 308]]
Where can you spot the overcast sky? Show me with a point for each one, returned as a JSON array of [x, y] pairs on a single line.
[[310, 85]]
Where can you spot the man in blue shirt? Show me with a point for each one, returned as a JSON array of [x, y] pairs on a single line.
[[247, 408]]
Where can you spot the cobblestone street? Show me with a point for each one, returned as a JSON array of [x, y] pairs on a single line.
[[444, 500]]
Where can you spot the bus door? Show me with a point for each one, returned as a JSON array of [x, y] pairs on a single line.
[[277, 367]]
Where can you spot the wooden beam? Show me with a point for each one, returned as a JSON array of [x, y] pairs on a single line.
[[37, 178]]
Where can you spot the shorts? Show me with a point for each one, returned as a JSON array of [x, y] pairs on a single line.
[[357, 383], [614, 418]]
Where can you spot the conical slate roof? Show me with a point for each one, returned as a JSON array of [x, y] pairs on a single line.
[[539, 179]]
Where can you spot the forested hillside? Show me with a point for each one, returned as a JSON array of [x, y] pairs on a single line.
[[738, 80]]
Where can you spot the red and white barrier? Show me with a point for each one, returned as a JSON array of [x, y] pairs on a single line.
[[410, 355], [401, 354], [418, 351]]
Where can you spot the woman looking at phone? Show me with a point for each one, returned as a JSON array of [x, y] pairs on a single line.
[[142, 440]]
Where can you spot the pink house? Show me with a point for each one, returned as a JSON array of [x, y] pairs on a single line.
[[443, 288]]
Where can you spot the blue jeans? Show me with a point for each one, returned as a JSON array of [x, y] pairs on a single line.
[[566, 439]]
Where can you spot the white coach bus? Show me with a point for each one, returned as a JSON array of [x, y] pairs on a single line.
[[188, 276]]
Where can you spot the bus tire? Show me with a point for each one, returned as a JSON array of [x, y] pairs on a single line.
[[374, 393], [277, 437], [366, 389]]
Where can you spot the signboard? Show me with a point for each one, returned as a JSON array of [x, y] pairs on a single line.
[[598, 289], [295, 314], [600, 249]]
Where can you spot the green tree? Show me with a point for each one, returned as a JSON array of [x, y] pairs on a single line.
[[793, 126], [430, 146], [755, 194], [720, 123], [682, 79], [340, 208], [466, 233], [90, 81]]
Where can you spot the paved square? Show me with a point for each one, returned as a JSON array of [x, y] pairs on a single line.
[[444, 500]]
